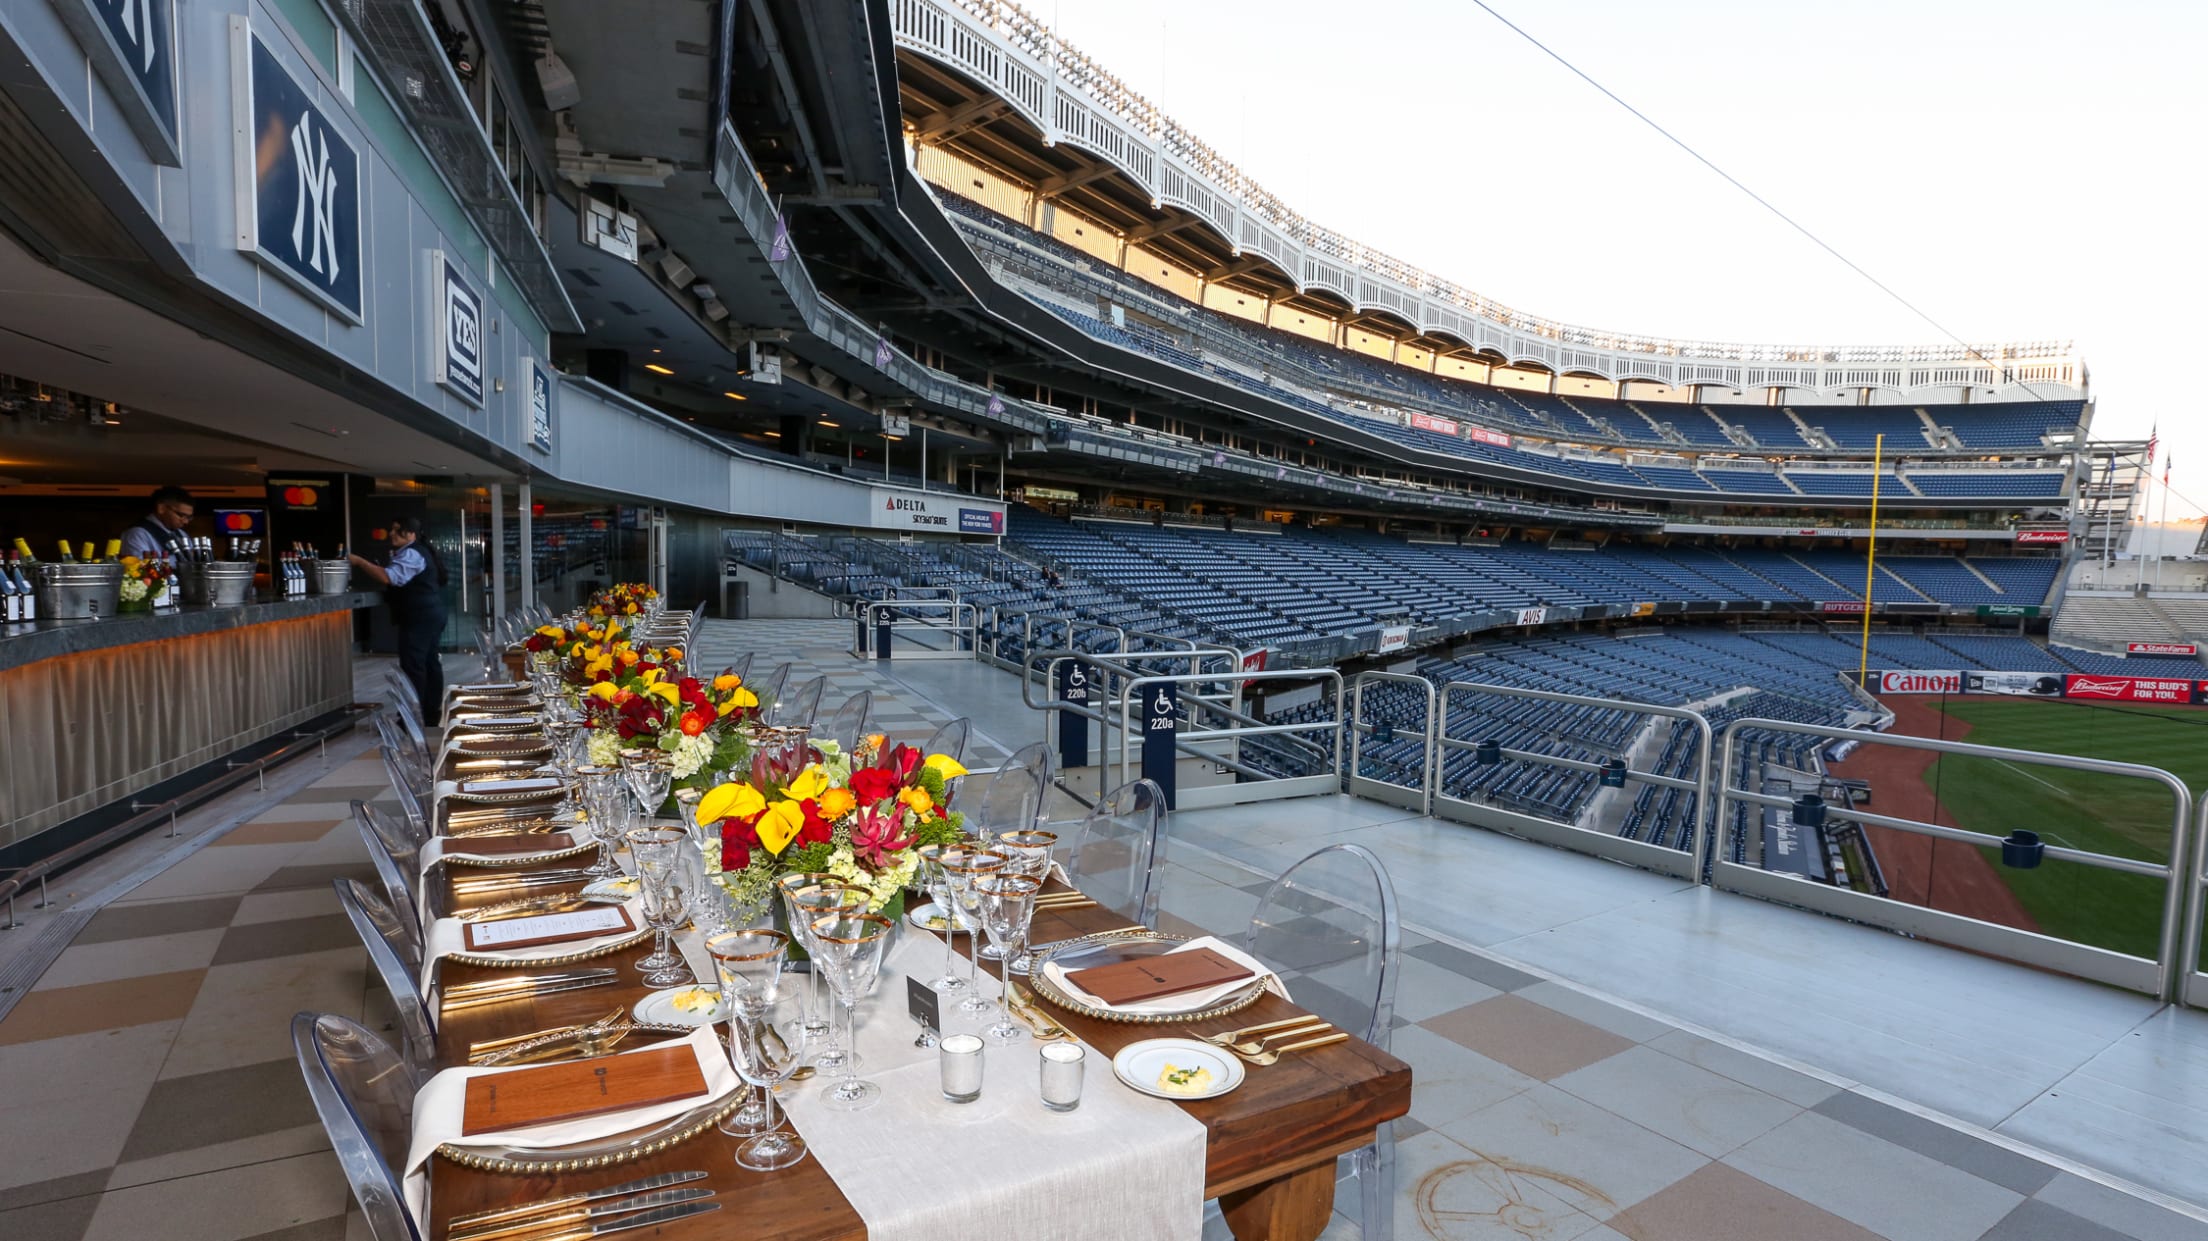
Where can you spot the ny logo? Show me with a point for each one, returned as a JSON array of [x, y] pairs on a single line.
[[137, 22], [317, 200]]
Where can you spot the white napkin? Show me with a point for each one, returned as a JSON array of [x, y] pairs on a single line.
[[447, 936], [1184, 1001], [438, 1109], [446, 848]]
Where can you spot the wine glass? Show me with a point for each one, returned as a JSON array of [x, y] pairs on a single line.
[[938, 883], [749, 966], [601, 814], [806, 1026], [1008, 901], [763, 1060], [851, 945], [658, 854], [649, 778], [963, 873], [807, 906], [1027, 853]]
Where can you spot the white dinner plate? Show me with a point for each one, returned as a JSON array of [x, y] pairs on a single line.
[[616, 885], [927, 918], [1139, 1064], [658, 1008]]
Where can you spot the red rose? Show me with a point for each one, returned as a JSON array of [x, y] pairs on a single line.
[[816, 830], [738, 837], [872, 785], [903, 760]]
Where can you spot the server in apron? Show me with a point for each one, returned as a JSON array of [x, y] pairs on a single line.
[[414, 580], [160, 535]]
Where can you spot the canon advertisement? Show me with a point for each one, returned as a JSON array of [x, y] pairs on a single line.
[[1920, 682]]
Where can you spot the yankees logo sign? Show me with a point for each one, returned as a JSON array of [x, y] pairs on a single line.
[[303, 179], [132, 46]]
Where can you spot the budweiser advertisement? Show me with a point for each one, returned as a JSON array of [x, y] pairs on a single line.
[[2175, 691], [1917, 681], [2043, 536], [2162, 648]]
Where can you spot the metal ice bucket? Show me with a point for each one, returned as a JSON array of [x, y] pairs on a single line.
[[329, 577], [222, 583], [78, 591]]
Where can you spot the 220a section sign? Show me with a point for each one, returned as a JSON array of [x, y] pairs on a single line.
[[298, 181]]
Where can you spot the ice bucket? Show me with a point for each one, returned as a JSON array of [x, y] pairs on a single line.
[[222, 583], [329, 577], [68, 591]]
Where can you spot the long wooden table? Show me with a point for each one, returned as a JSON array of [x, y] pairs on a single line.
[[1269, 1160]]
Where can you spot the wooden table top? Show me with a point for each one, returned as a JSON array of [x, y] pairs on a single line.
[[1285, 1118]]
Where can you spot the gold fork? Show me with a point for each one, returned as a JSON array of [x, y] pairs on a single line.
[[1273, 1055], [1251, 1047]]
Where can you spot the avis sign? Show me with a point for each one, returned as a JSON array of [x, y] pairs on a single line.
[[132, 46], [298, 181], [457, 356], [1918, 682]]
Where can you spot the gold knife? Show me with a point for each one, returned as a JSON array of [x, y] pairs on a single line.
[[479, 1219]]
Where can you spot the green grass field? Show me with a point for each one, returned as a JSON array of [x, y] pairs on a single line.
[[2105, 814]]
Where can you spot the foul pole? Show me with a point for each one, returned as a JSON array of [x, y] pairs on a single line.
[[1870, 559]]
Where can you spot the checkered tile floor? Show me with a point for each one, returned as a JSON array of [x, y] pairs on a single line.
[[151, 1094]]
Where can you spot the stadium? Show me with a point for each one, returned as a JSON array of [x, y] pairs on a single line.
[[1716, 789]]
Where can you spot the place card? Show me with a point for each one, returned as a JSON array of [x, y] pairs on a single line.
[[524, 1098], [925, 1004], [1148, 978], [547, 929]]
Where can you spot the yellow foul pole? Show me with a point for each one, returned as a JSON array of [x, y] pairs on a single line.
[[1870, 558]]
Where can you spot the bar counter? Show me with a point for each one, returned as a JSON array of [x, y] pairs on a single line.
[[93, 712]]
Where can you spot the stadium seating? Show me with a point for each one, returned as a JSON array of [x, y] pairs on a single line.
[[1859, 426]]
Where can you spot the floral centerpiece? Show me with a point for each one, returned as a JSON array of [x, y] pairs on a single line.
[[811, 807], [625, 599], [142, 582]]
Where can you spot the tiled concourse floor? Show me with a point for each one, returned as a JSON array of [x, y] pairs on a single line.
[[150, 1094]]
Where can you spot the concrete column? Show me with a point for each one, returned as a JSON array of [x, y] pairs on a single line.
[[528, 519], [498, 551]]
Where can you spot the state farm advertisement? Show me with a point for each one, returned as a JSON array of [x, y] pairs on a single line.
[[1440, 426], [1485, 436], [2043, 536], [2169, 691], [1920, 682], [2162, 648]]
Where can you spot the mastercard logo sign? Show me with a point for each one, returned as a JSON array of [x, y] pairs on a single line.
[[379, 534], [237, 521], [301, 497]]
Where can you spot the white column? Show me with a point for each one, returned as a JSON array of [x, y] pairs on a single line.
[[498, 552], [528, 547]]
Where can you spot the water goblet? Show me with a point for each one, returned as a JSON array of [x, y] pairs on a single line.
[[1027, 853], [851, 945], [749, 966], [659, 869], [763, 1060], [649, 777], [600, 817], [807, 1027], [1008, 901], [938, 883], [808, 905], [962, 873]]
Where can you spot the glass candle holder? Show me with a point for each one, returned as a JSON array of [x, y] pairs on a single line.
[[1062, 1065], [960, 1055]]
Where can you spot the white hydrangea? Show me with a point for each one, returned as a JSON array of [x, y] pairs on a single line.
[[691, 755], [605, 748], [134, 589], [880, 885]]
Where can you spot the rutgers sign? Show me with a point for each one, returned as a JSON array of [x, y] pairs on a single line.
[[2162, 648], [1917, 682]]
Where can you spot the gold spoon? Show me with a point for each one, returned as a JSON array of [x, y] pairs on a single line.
[[1268, 1057], [1255, 1046]]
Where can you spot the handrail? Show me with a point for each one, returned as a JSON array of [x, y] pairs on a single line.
[[964, 618], [1357, 731], [2175, 897], [147, 815], [1700, 784], [1129, 694]]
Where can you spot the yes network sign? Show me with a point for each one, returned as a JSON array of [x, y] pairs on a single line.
[[304, 217], [458, 315]]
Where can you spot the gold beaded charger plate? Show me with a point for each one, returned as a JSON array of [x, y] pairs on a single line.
[[604, 1152], [1112, 947]]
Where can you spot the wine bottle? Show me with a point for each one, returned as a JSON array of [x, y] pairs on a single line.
[[86, 554], [11, 607], [114, 550], [68, 554]]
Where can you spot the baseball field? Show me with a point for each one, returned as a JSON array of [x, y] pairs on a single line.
[[2086, 810]]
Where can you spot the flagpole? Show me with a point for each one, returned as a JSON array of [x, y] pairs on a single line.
[[2139, 536], [1870, 559], [2162, 523]]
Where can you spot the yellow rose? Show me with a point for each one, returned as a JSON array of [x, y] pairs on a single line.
[[836, 803], [918, 799], [724, 800], [780, 825], [808, 783], [726, 682], [950, 768]]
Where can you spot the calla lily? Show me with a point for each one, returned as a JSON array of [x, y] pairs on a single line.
[[780, 825], [731, 800], [665, 693], [946, 766], [808, 784], [604, 691]]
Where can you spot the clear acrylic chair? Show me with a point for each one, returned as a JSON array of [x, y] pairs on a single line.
[[742, 666], [397, 858], [1013, 798], [1328, 927], [770, 690], [364, 1092], [405, 786], [801, 706], [950, 739], [397, 957], [848, 724], [1113, 854], [406, 708]]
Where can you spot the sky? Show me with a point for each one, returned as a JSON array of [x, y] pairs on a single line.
[[2018, 170]]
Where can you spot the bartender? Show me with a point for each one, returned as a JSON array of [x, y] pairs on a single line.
[[161, 535], [414, 579]]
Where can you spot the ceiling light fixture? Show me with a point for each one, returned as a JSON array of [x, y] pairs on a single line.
[[773, 435], [657, 369], [735, 396], [826, 423]]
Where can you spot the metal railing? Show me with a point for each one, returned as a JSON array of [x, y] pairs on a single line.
[[2156, 976], [950, 620], [1570, 835], [1419, 796], [1205, 743]]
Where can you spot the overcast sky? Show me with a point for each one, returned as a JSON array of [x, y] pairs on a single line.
[[2019, 170]]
